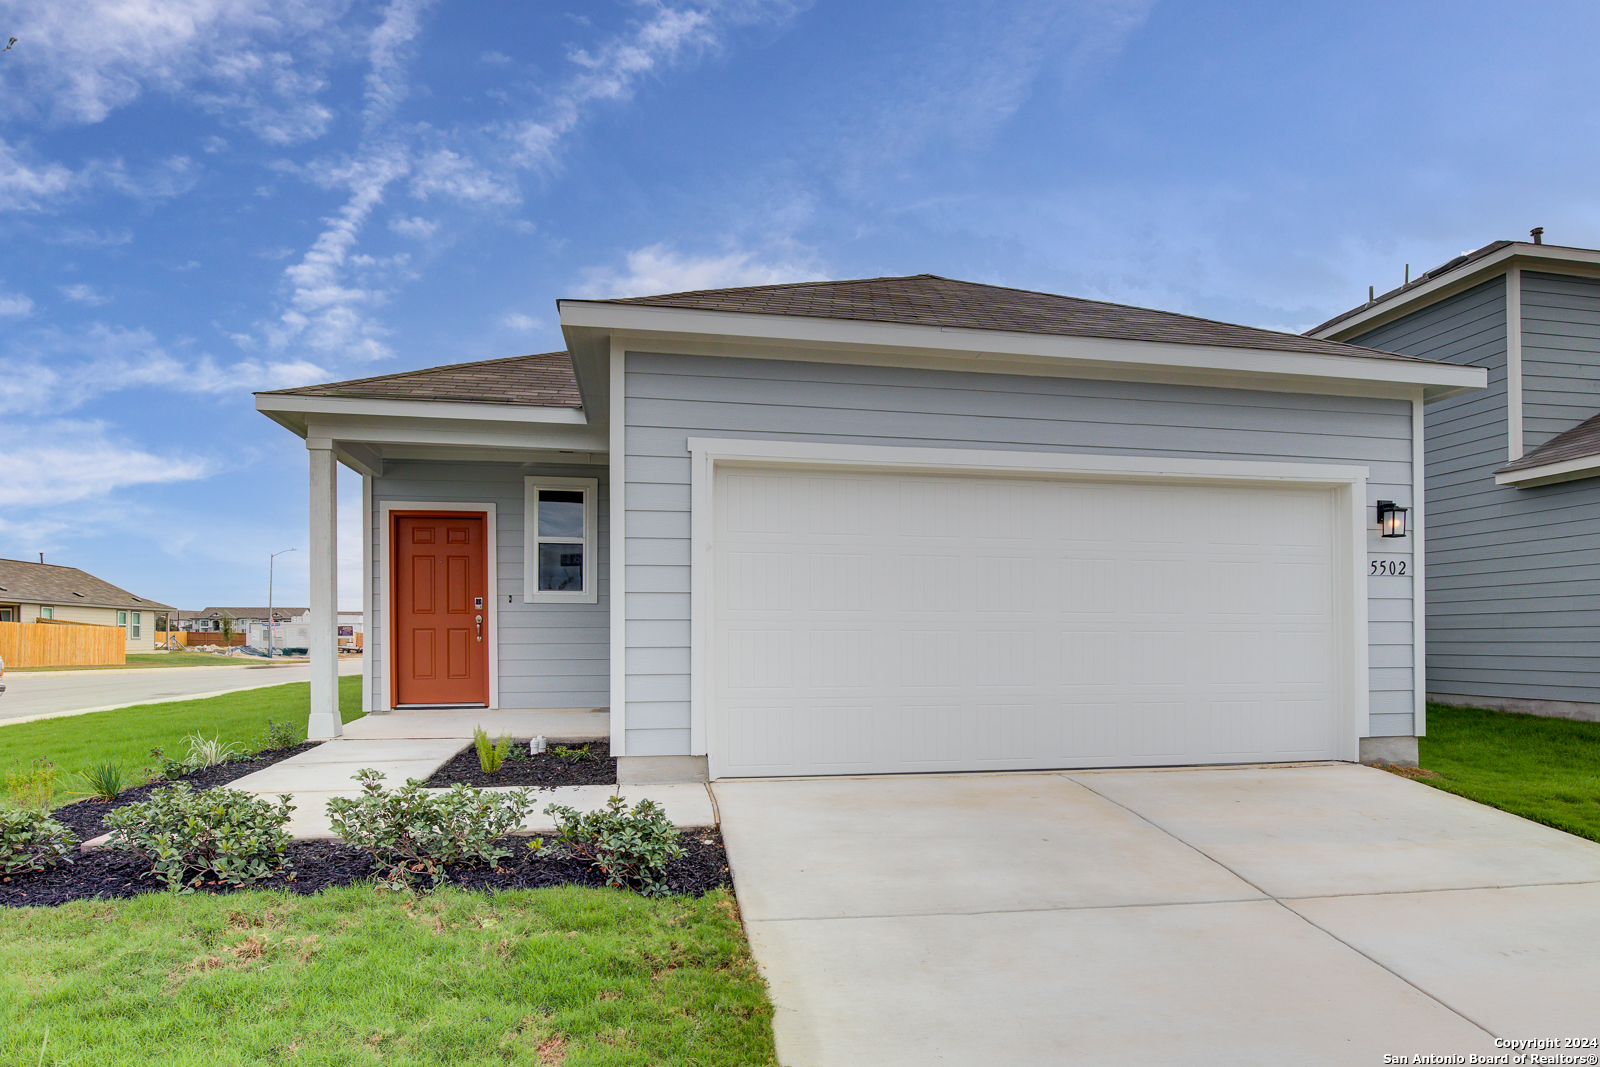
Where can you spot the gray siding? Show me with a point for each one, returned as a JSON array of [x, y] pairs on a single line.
[[671, 398], [550, 655], [1560, 354], [1513, 574]]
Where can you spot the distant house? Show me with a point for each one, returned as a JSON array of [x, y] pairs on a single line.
[[210, 620], [46, 593], [1513, 471]]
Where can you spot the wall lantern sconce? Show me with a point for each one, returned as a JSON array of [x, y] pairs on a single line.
[[1391, 518]]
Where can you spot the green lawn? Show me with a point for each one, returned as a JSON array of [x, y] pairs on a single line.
[[570, 976], [1547, 770], [127, 735], [157, 659]]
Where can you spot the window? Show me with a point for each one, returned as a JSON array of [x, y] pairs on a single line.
[[122, 618], [559, 563], [133, 628], [8, 615], [47, 612]]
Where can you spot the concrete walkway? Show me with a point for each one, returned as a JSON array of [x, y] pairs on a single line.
[[1317, 914], [415, 744]]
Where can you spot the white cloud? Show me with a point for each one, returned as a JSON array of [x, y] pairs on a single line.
[[83, 294], [445, 173], [62, 461], [416, 226], [659, 269], [495, 57], [516, 320], [28, 187], [15, 305]]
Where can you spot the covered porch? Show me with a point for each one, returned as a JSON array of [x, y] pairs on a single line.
[[485, 549]]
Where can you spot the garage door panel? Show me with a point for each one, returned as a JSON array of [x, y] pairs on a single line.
[[882, 622]]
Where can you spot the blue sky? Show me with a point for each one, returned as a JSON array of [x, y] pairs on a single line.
[[201, 198]]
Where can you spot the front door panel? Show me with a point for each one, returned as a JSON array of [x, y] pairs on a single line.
[[441, 609]]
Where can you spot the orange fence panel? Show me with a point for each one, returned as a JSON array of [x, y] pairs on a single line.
[[27, 644]]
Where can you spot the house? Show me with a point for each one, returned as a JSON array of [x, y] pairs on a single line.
[[47, 593], [1513, 491], [895, 524], [211, 620]]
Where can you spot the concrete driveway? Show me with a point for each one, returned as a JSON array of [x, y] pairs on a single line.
[[1314, 914]]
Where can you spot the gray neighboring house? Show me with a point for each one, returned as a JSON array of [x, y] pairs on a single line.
[[887, 525], [1513, 472]]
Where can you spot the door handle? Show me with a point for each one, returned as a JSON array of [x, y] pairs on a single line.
[[480, 627]]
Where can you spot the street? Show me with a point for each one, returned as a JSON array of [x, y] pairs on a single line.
[[50, 693]]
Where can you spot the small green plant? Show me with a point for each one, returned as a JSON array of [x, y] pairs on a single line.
[[491, 754], [631, 848], [208, 751], [102, 780], [30, 840], [281, 735], [167, 767], [216, 835], [575, 754], [412, 833], [33, 787]]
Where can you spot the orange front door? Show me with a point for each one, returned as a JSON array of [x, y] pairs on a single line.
[[441, 611]]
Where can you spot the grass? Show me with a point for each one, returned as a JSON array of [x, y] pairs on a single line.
[[1547, 770], [126, 735], [157, 659], [573, 976]]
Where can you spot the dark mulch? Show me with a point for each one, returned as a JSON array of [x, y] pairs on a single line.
[[84, 817], [112, 874], [543, 770]]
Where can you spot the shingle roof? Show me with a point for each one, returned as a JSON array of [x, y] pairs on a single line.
[[544, 380], [1580, 442], [46, 583], [1427, 276], [243, 613], [929, 300]]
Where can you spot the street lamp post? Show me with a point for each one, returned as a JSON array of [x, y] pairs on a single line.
[[271, 560]]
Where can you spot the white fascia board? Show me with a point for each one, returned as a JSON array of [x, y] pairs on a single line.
[[456, 433], [644, 323], [1549, 473], [418, 409], [1525, 254]]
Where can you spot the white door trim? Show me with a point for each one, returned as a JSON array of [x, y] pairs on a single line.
[[1348, 482], [385, 554]]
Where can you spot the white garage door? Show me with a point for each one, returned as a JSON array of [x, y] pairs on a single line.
[[868, 622]]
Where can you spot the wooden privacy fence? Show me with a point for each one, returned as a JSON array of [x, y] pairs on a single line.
[[31, 644], [190, 639]]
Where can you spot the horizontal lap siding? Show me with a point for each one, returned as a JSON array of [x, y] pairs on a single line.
[[551, 655], [1513, 574], [671, 398]]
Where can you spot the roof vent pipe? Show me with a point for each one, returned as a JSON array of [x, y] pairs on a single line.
[[1537, 233], [1370, 297]]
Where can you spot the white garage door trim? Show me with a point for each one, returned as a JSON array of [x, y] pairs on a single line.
[[1347, 482]]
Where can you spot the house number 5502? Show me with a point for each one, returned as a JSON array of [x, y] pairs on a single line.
[[1389, 568]]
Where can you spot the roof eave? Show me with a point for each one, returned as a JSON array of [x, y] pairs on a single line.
[[1385, 309], [291, 410], [594, 319], [1569, 470]]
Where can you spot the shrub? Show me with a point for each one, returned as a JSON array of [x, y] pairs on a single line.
[[411, 832], [167, 767], [32, 788], [631, 848], [575, 754], [103, 780], [208, 751], [491, 754], [30, 840], [281, 735], [216, 835]]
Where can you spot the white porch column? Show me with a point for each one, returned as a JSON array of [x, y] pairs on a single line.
[[324, 722]]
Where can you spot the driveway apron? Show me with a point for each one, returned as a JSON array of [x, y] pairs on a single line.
[[1324, 914]]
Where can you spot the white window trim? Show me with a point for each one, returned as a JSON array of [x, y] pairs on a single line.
[[384, 581], [135, 626], [531, 593], [1348, 482]]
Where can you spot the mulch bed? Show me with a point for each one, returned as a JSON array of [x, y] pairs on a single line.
[[110, 874], [544, 770], [84, 817]]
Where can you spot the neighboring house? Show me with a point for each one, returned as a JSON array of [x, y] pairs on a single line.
[[1513, 491], [210, 620], [44, 592], [898, 524]]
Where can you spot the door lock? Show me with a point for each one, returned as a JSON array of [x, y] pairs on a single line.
[[480, 627]]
